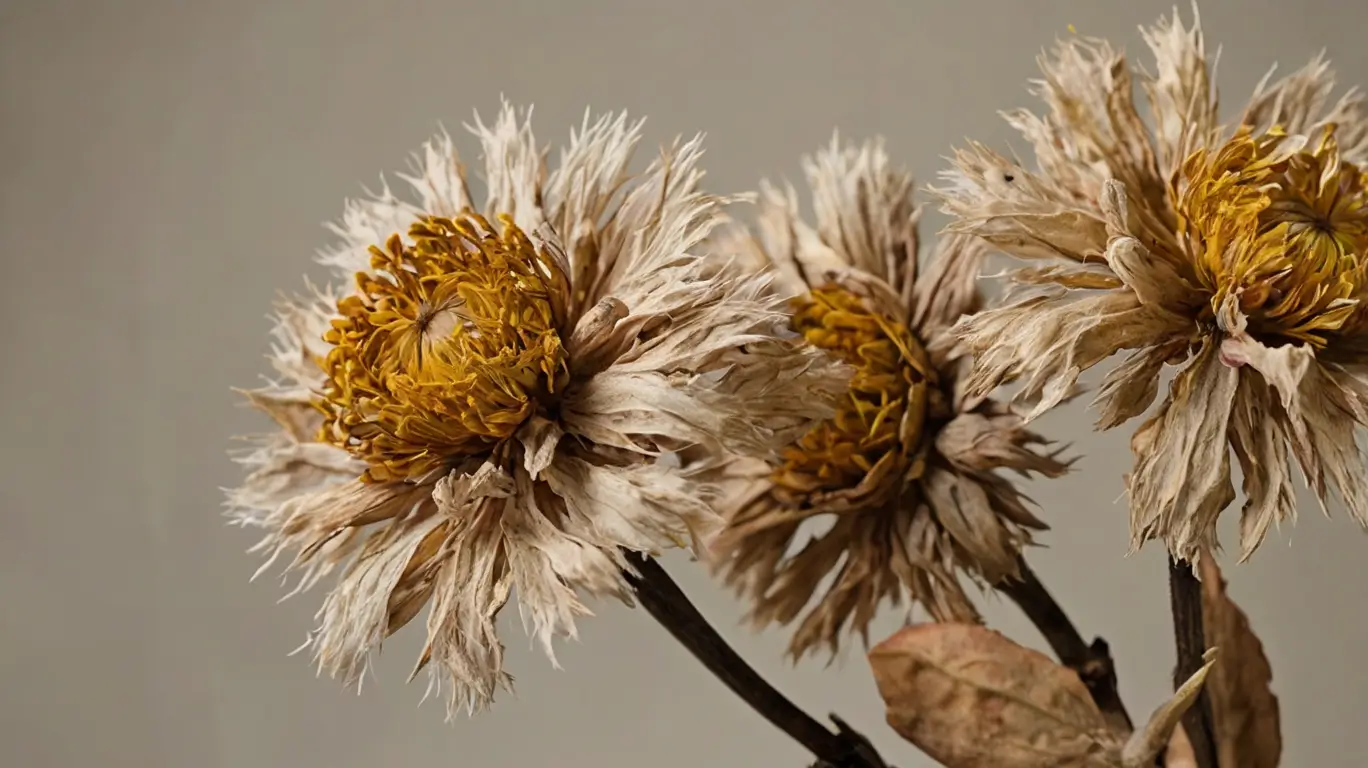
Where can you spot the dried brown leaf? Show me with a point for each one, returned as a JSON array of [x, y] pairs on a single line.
[[1156, 735], [1243, 707], [971, 698]]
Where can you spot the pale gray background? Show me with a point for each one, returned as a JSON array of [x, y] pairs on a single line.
[[166, 168]]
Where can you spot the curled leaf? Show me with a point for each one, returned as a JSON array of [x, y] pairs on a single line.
[[1146, 743], [1243, 708], [971, 698]]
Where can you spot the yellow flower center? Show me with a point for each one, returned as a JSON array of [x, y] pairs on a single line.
[[1284, 228], [881, 419], [444, 348]]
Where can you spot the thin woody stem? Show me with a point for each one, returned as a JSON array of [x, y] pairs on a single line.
[[1092, 661], [1189, 636], [668, 605]]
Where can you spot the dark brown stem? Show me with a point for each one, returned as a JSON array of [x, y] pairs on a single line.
[[1189, 637], [668, 605], [1092, 661]]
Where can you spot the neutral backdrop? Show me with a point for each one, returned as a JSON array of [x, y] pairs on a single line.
[[165, 168]]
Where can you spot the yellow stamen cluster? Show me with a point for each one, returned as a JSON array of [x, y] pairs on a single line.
[[445, 347], [879, 424], [1284, 228]]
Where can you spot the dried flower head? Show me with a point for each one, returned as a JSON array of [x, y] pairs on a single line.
[[906, 469], [1233, 252], [493, 405]]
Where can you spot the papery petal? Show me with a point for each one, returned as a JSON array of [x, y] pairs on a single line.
[[1300, 104], [720, 372], [1088, 87], [296, 348], [1181, 96], [964, 510], [978, 442], [1129, 389], [1049, 341], [1155, 279], [1181, 479], [641, 507], [515, 167], [949, 287], [864, 211], [1024, 214], [281, 469], [1258, 435]]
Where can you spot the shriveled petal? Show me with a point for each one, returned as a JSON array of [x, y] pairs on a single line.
[[1258, 435], [722, 370], [1300, 104], [515, 167], [1025, 215], [980, 442], [582, 190], [652, 241], [864, 211], [281, 469], [949, 288], [964, 510], [1048, 340], [437, 176], [1181, 479], [1182, 99], [835, 582], [296, 348], [1156, 279], [1129, 389], [641, 507]]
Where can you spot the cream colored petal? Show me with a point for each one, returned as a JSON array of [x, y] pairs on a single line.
[[790, 244], [1155, 280], [296, 348], [963, 508], [981, 442], [436, 175], [1298, 102], [355, 618], [515, 167], [1258, 435], [1088, 87], [949, 287], [322, 527], [1181, 479], [463, 652], [642, 507], [582, 191], [539, 437], [1283, 367], [1048, 341], [592, 169], [864, 210], [724, 371], [1181, 95], [652, 241], [1324, 418], [1024, 214], [1129, 389], [281, 469]]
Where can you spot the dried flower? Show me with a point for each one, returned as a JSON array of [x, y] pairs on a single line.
[[907, 467], [1235, 252], [493, 405]]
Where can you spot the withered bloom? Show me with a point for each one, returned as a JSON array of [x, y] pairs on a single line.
[[906, 469], [1234, 252], [486, 409]]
